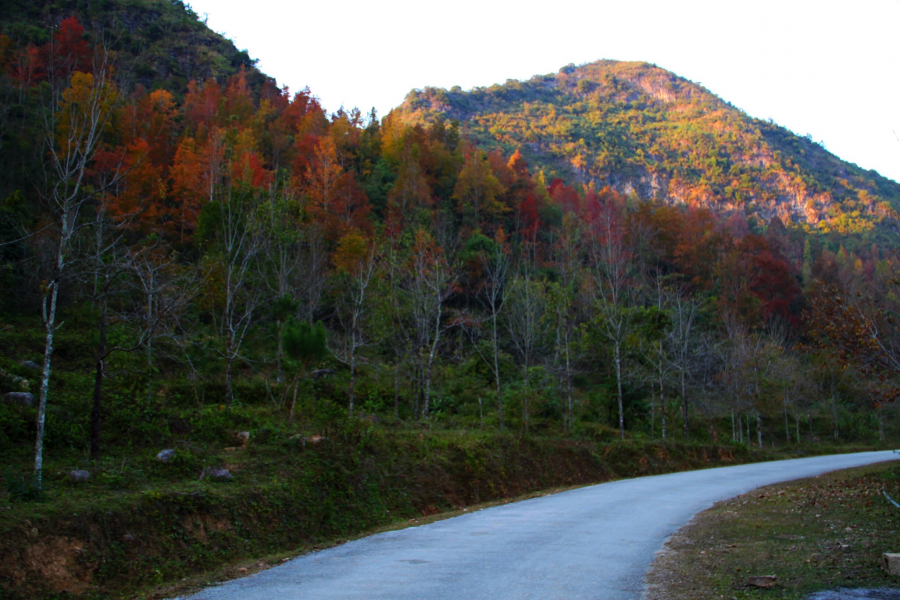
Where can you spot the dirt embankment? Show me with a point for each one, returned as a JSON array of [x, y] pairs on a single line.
[[120, 543]]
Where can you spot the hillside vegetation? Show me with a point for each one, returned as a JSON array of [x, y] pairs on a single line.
[[162, 43], [644, 130], [318, 302]]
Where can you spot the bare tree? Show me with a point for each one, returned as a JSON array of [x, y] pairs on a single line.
[[163, 291], [493, 292], [610, 270], [683, 344], [281, 245], [431, 283], [234, 284], [357, 260], [525, 323], [656, 327], [567, 255], [74, 120]]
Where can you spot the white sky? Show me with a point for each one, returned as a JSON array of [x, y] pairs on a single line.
[[826, 68]]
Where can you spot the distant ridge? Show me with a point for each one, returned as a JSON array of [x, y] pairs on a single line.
[[645, 131]]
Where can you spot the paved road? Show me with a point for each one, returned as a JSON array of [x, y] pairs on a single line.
[[593, 542]]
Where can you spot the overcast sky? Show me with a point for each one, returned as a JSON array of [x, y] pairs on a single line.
[[824, 68]]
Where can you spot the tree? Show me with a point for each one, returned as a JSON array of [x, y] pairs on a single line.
[[234, 292], [431, 283], [282, 251], [74, 121], [493, 261], [356, 264], [683, 342], [163, 291], [610, 271], [654, 327], [526, 326], [563, 297], [304, 344], [477, 189]]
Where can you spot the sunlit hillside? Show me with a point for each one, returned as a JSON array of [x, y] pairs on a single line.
[[644, 130]]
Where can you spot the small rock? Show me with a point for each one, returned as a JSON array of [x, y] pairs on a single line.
[[242, 570], [762, 581], [891, 563], [30, 364], [216, 474], [79, 476], [21, 398], [166, 455], [128, 537], [319, 373], [241, 437]]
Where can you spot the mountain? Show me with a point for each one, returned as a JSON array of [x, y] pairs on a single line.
[[643, 130], [161, 43]]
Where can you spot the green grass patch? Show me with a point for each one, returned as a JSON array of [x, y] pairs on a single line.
[[813, 534]]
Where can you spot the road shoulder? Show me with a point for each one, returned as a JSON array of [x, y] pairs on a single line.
[[812, 534]]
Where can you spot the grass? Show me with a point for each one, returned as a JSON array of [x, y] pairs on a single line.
[[812, 534]]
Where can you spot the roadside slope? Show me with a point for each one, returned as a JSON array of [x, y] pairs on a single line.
[[592, 542], [291, 497]]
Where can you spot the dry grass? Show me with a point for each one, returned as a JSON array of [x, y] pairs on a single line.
[[813, 534]]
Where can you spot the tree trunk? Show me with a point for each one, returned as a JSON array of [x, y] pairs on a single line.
[[294, 401], [98, 383], [150, 343], [881, 423], [351, 389], [797, 423], [570, 408], [662, 396], [229, 392], [428, 372], [759, 429], [397, 390], [834, 415], [733, 431], [49, 318], [426, 404], [497, 375], [279, 369], [684, 407], [787, 426], [618, 360]]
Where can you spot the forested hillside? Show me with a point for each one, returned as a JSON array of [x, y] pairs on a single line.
[[643, 130], [195, 249]]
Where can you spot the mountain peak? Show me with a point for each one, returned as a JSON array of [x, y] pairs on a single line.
[[645, 131]]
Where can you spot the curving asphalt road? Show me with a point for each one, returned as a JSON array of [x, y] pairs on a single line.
[[593, 542]]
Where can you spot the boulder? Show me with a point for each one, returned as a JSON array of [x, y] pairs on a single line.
[[79, 476], [21, 398], [30, 364], [891, 563], [166, 455], [215, 474]]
